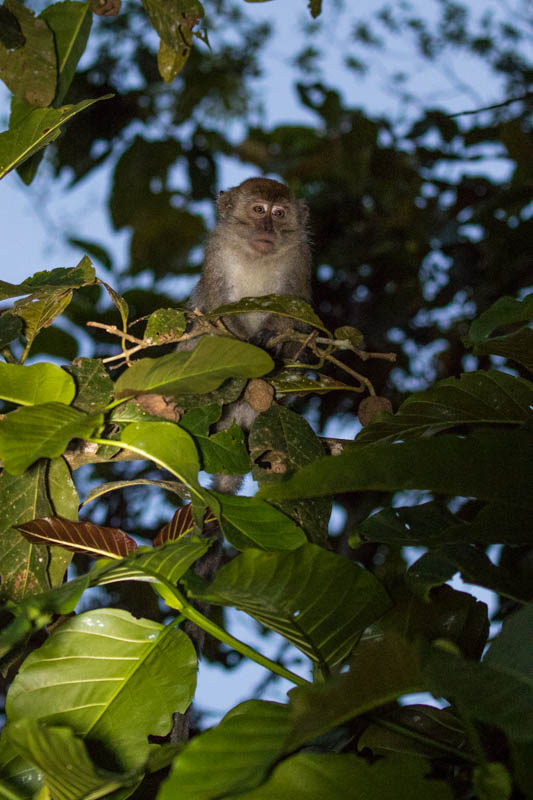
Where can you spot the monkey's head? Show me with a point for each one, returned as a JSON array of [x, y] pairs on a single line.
[[263, 213]]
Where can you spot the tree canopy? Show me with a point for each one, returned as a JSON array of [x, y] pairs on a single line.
[[419, 344]]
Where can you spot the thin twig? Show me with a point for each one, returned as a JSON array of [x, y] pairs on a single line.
[[493, 107], [361, 378], [114, 331]]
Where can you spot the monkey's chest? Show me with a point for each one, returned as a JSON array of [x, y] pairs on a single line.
[[252, 280], [245, 279]]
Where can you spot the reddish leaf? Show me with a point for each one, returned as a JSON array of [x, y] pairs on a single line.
[[180, 524], [82, 537]]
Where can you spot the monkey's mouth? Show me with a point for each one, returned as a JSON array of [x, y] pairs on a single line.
[[264, 244]]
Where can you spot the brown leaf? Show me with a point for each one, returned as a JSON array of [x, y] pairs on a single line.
[[180, 525], [82, 537]]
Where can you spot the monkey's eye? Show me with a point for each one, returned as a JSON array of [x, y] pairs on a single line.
[[258, 209], [278, 212]]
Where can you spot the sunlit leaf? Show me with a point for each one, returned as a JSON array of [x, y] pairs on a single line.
[[39, 128], [71, 25], [34, 432], [203, 369], [165, 324], [36, 384], [87, 671]]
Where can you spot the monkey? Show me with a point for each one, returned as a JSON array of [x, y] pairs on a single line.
[[259, 246]]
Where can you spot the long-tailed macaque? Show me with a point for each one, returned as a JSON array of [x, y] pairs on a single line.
[[259, 247]]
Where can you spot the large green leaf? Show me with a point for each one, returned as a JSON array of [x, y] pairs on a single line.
[[476, 397], [89, 670], [516, 345], [23, 566], [285, 306], [233, 757], [34, 432], [39, 128], [168, 16], [319, 601], [39, 383], [249, 522], [382, 668], [169, 446], [63, 758], [30, 71], [71, 25], [312, 776], [490, 465], [203, 369], [493, 691], [431, 524]]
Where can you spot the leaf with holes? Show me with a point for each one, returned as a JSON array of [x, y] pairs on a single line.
[[319, 601], [88, 670], [82, 537]]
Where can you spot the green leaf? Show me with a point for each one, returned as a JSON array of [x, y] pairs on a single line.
[[89, 669], [64, 761], [51, 281], [490, 465], [382, 668], [240, 751], [516, 345], [284, 306], [319, 601], [280, 442], [10, 328], [168, 446], [30, 71], [308, 776], [224, 452], [249, 522], [291, 381], [492, 782], [41, 431], [414, 730], [162, 566], [71, 25], [113, 486], [94, 387], [487, 692], [165, 324], [170, 61], [169, 17], [431, 524], [64, 501], [39, 128], [23, 566], [39, 314], [511, 649], [482, 397], [475, 566], [11, 35], [37, 610], [203, 369], [40, 383]]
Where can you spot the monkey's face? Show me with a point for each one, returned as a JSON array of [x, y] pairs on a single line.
[[267, 223]]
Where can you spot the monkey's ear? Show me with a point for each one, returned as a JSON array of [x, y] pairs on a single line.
[[224, 204]]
